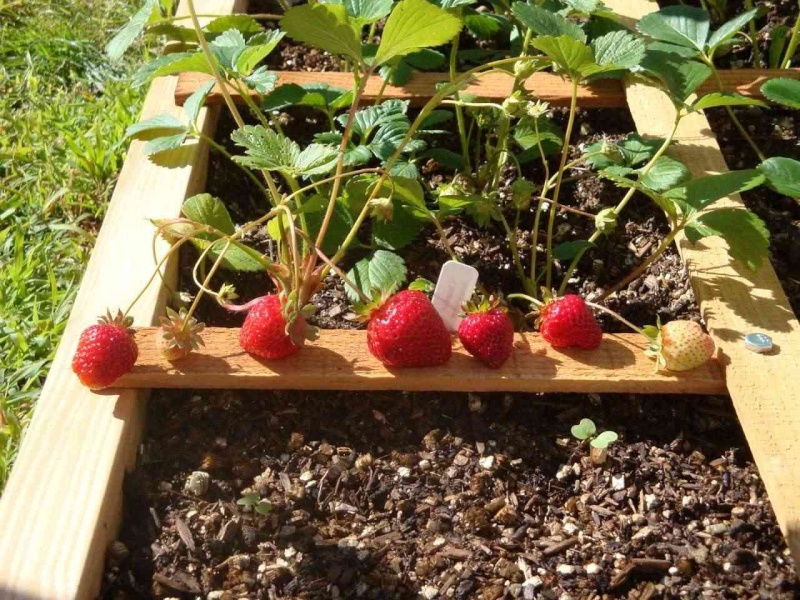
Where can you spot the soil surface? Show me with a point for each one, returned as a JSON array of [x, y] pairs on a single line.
[[444, 496]]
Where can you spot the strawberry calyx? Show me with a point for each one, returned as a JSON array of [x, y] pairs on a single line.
[[652, 334], [365, 310], [179, 334], [482, 304], [119, 319]]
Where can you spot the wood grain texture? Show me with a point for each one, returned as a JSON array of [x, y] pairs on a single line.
[[61, 506], [339, 360], [735, 302], [605, 93]]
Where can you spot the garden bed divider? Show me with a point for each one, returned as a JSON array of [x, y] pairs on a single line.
[[734, 301], [495, 87], [338, 360], [61, 506]]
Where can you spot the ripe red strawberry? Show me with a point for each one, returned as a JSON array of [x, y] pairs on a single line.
[[679, 345], [567, 321], [264, 331], [106, 352], [406, 331], [488, 334]]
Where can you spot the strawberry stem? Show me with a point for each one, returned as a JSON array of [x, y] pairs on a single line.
[[617, 316], [531, 299], [185, 238]]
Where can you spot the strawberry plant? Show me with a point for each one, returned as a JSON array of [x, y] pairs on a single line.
[[350, 199]]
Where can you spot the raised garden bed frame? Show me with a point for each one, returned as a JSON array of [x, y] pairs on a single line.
[[61, 507]]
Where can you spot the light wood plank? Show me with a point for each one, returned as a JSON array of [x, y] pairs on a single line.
[[61, 506], [339, 360], [605, 93], [735, 302]]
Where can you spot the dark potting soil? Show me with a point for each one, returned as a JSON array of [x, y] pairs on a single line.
[[393, 495]]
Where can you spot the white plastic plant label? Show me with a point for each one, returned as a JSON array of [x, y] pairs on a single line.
[[455, 286]]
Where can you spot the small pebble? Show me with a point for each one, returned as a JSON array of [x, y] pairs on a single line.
[[404, 472], [565, 570], [487, 462], [592, 569], [197, 483], [717, 529]]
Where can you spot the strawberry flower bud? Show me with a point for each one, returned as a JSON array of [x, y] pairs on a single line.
[[381, 208]]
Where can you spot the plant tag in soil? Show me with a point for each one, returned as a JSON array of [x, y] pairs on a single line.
[[454, 287]]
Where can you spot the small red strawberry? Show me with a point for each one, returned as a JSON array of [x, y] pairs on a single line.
[[567, 321], [487, 333], [406, 331], [106, 352], [679, 345], [264, 331]]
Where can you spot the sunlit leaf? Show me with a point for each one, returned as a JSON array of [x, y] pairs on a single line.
[[415, 24]]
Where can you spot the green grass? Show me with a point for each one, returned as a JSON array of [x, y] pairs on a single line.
[[63, 111]]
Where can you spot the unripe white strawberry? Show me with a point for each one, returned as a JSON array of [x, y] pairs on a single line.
[[679, 345]]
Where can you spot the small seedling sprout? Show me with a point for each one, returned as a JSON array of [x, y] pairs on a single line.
[[255, 503], [587, 430]]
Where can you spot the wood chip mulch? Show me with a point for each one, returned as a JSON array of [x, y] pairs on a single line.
[[386, 495]]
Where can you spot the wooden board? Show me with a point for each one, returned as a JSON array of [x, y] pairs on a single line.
[[496, 87], [339, 360], [61, 506], [735, 302]]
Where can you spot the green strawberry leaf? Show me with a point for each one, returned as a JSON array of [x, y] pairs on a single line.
[[782, 174], [704, 191], [618, 49], [365, 11], [569, 250], [745, 233], [257, 49], [237, 257], [227, 47], [340, 225], [666, 173], [397, 232], [326, 26], [208, 210], [567, 53], [730, 29], [128, 34], [382, 270], [196, 101], [680, 25], [717, 99], [245, 24], [680, 76], [633, 150], [155, 127], [783, 91], [415, 24], [544, 22]]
